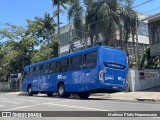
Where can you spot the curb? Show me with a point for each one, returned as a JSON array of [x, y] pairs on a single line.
[[148, 100]]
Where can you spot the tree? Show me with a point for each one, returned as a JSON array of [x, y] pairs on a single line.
[[42, 28], [59, 3], [114, 20], [101, 17], [148, 61], [42, 53], [18, 47], [129, 27], [13, 51], [76, 13]]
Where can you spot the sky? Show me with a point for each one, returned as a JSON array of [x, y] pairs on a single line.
[[17, 11]]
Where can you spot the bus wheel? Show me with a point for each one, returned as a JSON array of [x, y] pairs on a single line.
[[50, 94], [84, 95], [61, 91], [30, 93]]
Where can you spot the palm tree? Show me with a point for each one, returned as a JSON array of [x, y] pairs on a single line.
[[59, 3], [103, 16], [42, 27], [130, 25], [77, 12]]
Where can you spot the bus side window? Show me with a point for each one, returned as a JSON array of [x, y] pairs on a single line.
[[54, 67], [41, 69], [46, 69], [37, 71], [31, 72], [34, 71], [24, 76], [90, 60], [76, 63], [63, 65]]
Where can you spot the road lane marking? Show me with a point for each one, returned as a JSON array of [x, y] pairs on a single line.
[[15, 108], [2, 105], [42, 98], [12, 102], [3, 98], [26, 100], [87, 108], [13, 93]]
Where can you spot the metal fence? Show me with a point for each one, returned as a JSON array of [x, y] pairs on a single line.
[[11, 86]]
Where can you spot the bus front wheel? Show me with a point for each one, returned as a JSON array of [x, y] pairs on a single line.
[[84, 95], [61, 91], [30, 93]]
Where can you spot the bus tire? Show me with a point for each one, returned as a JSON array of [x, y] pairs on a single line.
[[30, 93], [61, 91], [50, 94], [84, 95]]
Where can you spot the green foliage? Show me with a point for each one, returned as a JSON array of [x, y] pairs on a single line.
[[148, 61], [45, 51], [43, 29], [105, 17], [20, 47]]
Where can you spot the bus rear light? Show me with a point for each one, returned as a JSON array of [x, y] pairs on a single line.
[[101, 76]]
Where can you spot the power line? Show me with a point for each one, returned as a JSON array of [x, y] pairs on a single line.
[[152, 10], [142, 4]]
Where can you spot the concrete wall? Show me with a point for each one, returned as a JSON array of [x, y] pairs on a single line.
[[4, 86], [143, 79]]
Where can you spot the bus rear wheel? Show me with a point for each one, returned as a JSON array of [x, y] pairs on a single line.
[[30, 93], [61, 91], [84, 95]]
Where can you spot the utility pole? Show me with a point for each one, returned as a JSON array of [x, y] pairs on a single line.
[[137, 46]]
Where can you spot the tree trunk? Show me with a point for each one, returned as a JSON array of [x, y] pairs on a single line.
[[58, 8]]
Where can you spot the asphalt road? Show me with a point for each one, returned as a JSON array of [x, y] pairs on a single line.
[[22, 102]]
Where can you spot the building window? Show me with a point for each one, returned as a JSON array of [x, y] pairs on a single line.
[[143, 28], [155, 32]]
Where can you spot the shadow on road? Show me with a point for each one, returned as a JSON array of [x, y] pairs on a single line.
[[73, 96], [154, 89]]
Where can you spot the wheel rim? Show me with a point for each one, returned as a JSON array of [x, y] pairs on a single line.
[[29, 90], [61, 90]]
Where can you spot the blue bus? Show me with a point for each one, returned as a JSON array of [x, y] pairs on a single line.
[[83, 72]]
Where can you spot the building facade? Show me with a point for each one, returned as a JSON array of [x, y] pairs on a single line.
[[70, 42], [154, 34]]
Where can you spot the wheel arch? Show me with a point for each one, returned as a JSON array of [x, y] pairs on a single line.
[[29, 85], [60, 82]]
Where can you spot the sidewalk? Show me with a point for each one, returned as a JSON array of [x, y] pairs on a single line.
[[152, 95]]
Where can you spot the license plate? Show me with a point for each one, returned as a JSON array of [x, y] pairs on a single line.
[[115, 87]]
